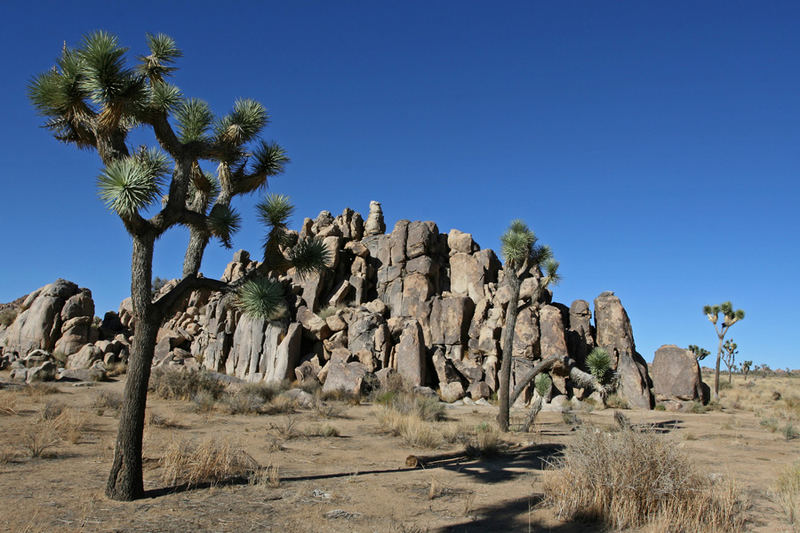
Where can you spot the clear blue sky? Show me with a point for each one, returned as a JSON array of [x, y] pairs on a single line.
[[654, 146]]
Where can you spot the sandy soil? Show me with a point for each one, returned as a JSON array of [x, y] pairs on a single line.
[[359, 480]]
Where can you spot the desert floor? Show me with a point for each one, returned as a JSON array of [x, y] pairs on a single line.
[[358, 480]]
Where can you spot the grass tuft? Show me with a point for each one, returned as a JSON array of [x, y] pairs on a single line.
[[211, 461]]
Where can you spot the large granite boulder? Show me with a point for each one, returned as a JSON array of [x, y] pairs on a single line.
[[676, 375], [614, 334], [38, 325]]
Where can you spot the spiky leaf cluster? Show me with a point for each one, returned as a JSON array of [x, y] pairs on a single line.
[[599, 363], [242, 124], [543, 383], [194, 117], [129, 184], [262, 298], [309, 255], [275, 211], [699, 353], [730, 316], [224, 221], [163, 53]]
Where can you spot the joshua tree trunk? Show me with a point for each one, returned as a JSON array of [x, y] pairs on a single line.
[[716, 370], [125, 480], [198, 241], [508, 347], [536, 406]]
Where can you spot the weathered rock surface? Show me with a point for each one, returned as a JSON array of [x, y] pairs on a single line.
[[676, 375]]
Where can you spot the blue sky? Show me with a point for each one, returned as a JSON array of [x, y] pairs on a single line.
[[654, 146]]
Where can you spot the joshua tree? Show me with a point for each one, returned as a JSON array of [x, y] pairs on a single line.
[[699, 353], [746, 366], [599, 363], [522, 256], [729, 353], [92, 98], [729, 318]]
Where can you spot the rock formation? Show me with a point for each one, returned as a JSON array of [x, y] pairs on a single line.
[[428, 305], [676, 376]]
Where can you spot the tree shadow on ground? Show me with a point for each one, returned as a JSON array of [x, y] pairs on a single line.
[[504, 466], [515, 515]]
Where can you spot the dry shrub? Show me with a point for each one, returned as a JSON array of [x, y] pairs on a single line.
[[116, 369], [39, 390], [71, 425], [38, 438], [211, 461], [107, 400], [410, 427], [181, 384], [426, 408], [50, 410], [629, 479], [286, 429], [7, 455], [325, 430], [787, 492], [243, 402], [486, 442], [203, 402], [156, 420], [614, 401], [281, 405], [327, 410], [8, 405], [268, 476]]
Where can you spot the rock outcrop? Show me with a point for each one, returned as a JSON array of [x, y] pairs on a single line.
[[427, 305], [676, 375]]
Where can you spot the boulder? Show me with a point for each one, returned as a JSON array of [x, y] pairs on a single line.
[[452, 392], [614, 334], [85, 357], [552, 340], [460, 242], [676, 375], [39, 324], [450, 319], [580, 340], [345, 377], [409, 353], [45, 372], [374, 224]]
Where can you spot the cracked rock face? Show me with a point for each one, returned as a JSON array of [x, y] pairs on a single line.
[[427, 305]]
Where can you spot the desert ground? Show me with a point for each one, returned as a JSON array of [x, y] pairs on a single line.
[[335, 467]]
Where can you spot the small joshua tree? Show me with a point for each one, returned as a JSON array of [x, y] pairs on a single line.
[[729, 353], [729, 318], [699, 353], [522, 255], [599, 363], [746, 366]]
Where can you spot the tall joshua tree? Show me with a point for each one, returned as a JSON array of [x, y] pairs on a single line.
[[93, 99], [729, 318], [729, 353], [522, 255]]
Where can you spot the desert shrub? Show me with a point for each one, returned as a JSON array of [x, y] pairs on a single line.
[[485, 443], [268, 476], [71, 425], [204, 402], [339, 395], [116, 369], [280, 405], [243, 402], [325, 430], [50, 410], [630, 479], [410, 427], [787, 491], [40, 390], [156, 420], [8, 405], [660, 407], [176, 384], [107, 400], [599, 363], [697, 408], [615, 401], [286, 429], [770, 423], [7, 455], [7, 316], [211, 461], [427, 408], [327, 410], [329, 311], [38, 438], [790, 432]]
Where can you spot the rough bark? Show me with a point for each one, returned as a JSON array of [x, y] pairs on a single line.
[[526, 377], [536, 406], [125, 479], [585, 380], [198, 240], [507, 347]]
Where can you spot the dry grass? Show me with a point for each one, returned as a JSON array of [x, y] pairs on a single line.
[[158, 421], [38, 391], [630, 479], [8, 405], [325, 430], [267, 476], [280, 405], [787, 493], [211, 461], [71, 425], [50, 410], [39, 438], [107, 401], [411, 428], [177, 384]]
